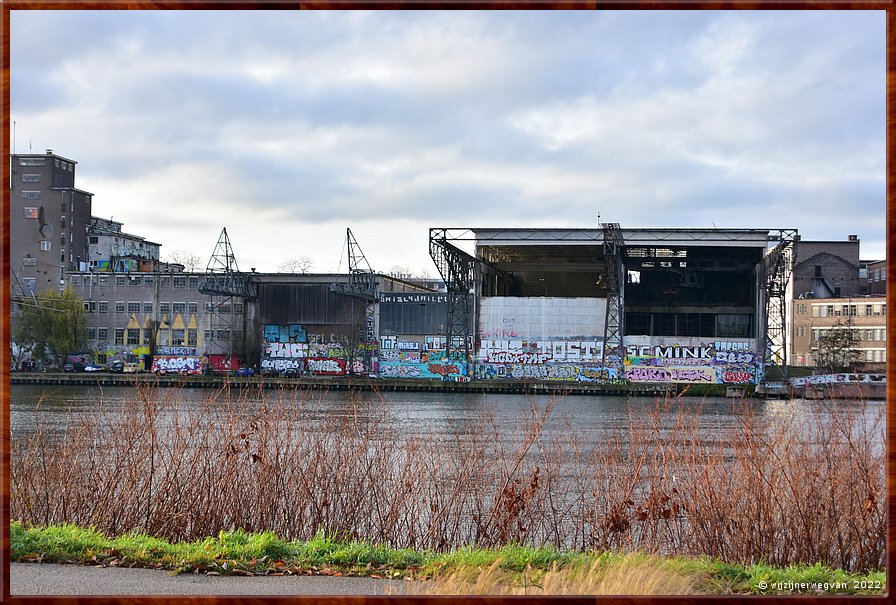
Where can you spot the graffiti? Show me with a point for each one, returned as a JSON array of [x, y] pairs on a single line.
[[408, 345], [389, 355], [434, 343], [284, 334], [508, 357], [549, 350], [388, 342], [443, 369], [324, 366], [388, 370], [164, 364], [738, 377], [400, 369], [651, 374], [289, 350], [371, 329], [739, 358], [280, 364], [670, 352], [176, 351], [596, 374]]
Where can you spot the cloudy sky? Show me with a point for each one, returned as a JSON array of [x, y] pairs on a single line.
[[288, 127]]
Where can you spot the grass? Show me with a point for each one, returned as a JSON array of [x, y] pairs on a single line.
[[511, 569]]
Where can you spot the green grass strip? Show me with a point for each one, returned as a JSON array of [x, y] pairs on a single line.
[[263, 553]]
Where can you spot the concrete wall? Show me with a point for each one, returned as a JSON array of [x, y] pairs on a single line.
[[692, 360]]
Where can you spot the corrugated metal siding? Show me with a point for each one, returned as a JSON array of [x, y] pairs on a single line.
[[302, 303]]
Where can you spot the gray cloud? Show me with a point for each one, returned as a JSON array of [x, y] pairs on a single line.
[[656, 118]]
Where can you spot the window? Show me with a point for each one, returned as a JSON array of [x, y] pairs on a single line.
[[45, 245], [28, 285], [102, 306], [120, 280], [165, 308], [147, 308], [31, 195], [133, 307], [177, 338], [90, 306], [119, 306], [119, 336], [133, 280], [32, 161], [102, 333], [194, 281], [179, 308], [817, 270], [93, 239], [75, 280], [192, 308], [31, 178], [32, 212], [165, 281], [180, 281], [91, 333], [868, 309], [104, 280], [164, 337], [133, 336], [146, 335], [238, 308], [148, 280], [191, 337]]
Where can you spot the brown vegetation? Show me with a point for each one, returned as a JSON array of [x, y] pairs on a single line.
[[779, 489]]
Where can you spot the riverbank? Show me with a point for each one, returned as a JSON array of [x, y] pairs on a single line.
[[330, 383], [505, 570]]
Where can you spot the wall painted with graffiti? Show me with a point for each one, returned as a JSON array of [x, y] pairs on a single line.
[[542, 339], [691, 360], [286, 350], [176, 364]]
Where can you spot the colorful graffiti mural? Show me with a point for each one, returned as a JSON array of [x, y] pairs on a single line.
[[176, 364]]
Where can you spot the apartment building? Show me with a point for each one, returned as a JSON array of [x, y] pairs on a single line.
[[111, 249], [860, 321]]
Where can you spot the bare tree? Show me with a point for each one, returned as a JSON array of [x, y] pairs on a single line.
[[301, 264], [191, 261]]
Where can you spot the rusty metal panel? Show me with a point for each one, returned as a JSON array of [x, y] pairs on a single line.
[[301, 303]]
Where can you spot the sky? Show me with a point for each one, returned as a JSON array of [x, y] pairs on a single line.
[[286, 128]]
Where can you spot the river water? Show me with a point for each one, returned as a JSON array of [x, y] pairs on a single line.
[[431, 414]]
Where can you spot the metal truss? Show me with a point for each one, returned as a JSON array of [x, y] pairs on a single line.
[[461, 272], [362, 280], [222, 275], [777, 267], [613, 352], [225, 286]]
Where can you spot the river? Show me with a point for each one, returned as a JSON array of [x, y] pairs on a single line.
[[432, 414]]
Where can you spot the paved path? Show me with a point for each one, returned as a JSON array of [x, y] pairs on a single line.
[[52, 579]]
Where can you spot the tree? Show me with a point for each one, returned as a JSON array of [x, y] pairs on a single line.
[[191, 262], [301, 264], [836, 348], [52, 325]]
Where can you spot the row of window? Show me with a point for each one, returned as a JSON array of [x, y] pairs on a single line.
[[166, 337], [165, 281], [860, 334], [848, 310], [165, 308]]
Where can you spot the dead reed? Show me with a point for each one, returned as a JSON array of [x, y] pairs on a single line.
[[779, 489]]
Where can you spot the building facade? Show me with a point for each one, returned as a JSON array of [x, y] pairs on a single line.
[[48, 222], [840, 334], [110, 249]]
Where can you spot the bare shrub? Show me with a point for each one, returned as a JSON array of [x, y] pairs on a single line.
[[777, 488]]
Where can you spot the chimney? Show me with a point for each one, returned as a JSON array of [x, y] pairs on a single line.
[[853, 238]]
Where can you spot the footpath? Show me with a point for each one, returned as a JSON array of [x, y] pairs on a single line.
[[51, 579]]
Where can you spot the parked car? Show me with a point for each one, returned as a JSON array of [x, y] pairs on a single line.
[[93, 367], [73, 367], [244, 371], [116, 367]]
